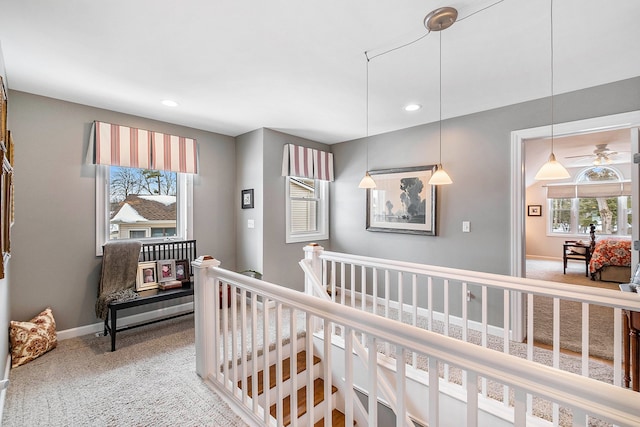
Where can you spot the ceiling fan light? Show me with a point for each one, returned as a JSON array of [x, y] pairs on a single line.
[[440, 177], [367, 182], [552, 170]]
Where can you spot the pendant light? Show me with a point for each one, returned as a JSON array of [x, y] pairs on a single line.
[[438, 20], [552, 169], [367, 181]]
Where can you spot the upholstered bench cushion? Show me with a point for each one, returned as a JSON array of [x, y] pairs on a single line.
[[33, 338]]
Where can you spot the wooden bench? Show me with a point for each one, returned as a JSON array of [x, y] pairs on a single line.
[[185, 249]]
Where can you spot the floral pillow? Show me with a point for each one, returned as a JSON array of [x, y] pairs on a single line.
[[33, 338]]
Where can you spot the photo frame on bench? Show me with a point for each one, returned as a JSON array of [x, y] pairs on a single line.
[[147, 276], [182, 271], [166, 270]]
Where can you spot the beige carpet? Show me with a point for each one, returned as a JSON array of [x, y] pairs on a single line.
[[600, 318], [149, 381]]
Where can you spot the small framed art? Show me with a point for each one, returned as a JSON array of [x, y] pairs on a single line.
[[247, 199], [534, 210], [166, 270], [147, 276], [182, 271]]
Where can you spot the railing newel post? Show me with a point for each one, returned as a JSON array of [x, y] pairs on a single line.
[[204, 322]]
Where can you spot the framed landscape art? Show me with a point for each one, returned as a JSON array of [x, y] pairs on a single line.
[[402, 201]]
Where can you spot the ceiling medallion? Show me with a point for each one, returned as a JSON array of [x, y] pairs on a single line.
[[440, 19]]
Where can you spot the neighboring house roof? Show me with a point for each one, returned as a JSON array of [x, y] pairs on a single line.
[[144, 208]]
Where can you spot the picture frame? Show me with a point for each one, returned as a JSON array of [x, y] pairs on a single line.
[[182, 271], [247, 199], [534, 210], [166, 270], [147, 276], [402, 201]]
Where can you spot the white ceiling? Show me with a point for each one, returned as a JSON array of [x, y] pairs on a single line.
[[299, 67]]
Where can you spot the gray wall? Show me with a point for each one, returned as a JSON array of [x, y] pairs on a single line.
[[249, 171], [476, 154], [53, 251], [280, 258]]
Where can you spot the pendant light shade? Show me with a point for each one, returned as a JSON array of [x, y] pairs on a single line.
[[552, 169], [367, 182], [440, 177]]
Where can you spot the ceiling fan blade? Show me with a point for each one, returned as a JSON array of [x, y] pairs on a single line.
[[582, 156]]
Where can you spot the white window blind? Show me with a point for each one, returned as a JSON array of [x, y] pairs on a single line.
[[600, 189]]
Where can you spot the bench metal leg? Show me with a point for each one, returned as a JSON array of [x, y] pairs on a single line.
[[113, 327]]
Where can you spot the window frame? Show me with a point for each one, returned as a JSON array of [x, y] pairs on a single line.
[[322, 214], [622, 202], [184, 201]]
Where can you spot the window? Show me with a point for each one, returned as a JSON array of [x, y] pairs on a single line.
[[599, 196], [143, 204], [306, 209]]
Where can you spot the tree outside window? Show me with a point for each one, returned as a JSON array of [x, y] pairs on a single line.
[[597, 202]]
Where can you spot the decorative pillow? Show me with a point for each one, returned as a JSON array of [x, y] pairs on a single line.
[[33, 338]]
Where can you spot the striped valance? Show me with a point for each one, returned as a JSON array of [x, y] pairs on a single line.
[[304, 162], [594, 189], [117, 145]]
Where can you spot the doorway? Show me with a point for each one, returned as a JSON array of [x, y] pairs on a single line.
[[521, 167]]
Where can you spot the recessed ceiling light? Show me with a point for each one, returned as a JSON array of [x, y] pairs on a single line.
[[169, 103], [412, 107]]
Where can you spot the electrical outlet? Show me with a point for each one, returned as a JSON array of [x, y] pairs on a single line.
[[466, 226], [251, 223]]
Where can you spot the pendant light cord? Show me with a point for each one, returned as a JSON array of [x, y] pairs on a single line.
[[440, 98], [428, 32], [552, 112], [367, 109]]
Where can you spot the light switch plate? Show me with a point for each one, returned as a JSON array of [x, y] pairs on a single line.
[[466, 226], [251, 223]]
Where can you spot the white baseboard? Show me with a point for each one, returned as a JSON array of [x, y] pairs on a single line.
[[3, 391], [453, 320], [126, 321], [544, 258]]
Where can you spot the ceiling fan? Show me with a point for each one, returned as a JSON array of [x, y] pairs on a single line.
[[602, 155]]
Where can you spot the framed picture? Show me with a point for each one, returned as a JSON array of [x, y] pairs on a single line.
[[147, 276], [166, 270], [403, 201], [534, 210], [182, 271], [247, 199]]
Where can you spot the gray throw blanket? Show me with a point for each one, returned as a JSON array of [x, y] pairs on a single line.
[[118, 275]]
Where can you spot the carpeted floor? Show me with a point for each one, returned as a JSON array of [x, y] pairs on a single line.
[[600, 318], [149, 381]]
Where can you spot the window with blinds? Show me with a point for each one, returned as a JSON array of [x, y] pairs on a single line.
[[307, 209], [599, 196]]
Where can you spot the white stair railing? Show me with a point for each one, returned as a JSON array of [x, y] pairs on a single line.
[[468, 300], [215, 357], [395, 398]]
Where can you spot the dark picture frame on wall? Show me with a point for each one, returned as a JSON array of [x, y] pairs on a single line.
[[247, 199], [534, 210], [403, 201]]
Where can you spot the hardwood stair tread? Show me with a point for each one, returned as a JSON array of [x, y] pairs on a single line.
[[318, 396], [337, 420], [301, 358]]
